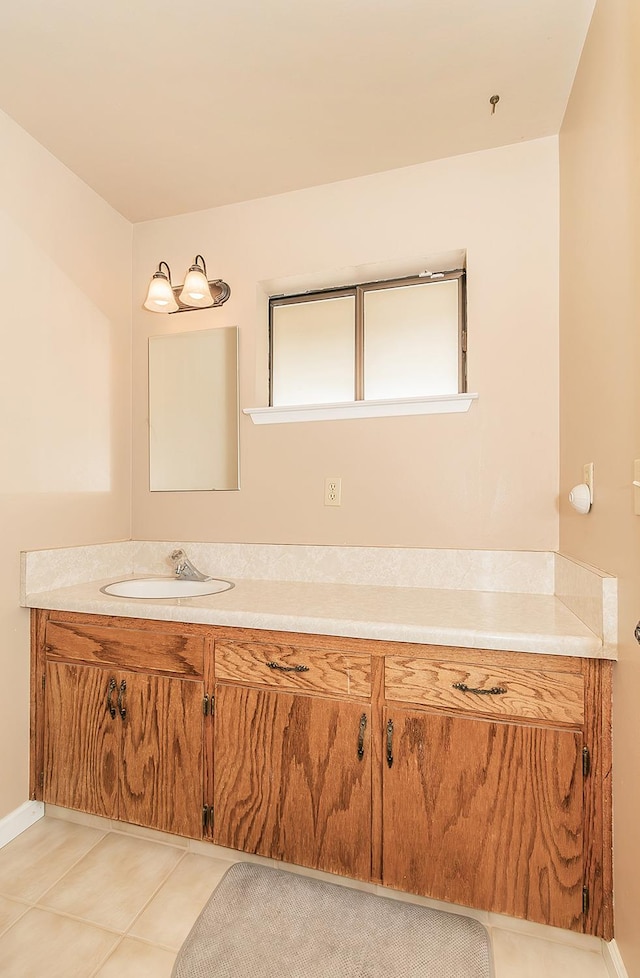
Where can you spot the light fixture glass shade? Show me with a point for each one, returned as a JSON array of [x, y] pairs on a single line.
[[160, 297], [196, 291]]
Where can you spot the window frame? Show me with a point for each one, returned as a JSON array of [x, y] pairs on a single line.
[[358, 291]]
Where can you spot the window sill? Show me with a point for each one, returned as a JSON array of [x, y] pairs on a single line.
[[437, 404]]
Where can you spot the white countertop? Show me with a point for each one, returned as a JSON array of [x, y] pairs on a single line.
[[518, 622]]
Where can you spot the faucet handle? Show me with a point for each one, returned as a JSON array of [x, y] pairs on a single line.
[[177, 555]]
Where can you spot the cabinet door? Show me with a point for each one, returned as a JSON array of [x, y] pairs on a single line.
[[486, 815], [81, 749], [161, 769], [289, 780]]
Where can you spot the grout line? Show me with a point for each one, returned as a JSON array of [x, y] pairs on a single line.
[[36, 902], [26, 909], [79, 920], [165, 879], [106, 958]]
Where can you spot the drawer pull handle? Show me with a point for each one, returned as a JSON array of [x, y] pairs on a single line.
[[276, 665], [110, 690], [363, 727], [494, 691], [121, 706], [390, 742]]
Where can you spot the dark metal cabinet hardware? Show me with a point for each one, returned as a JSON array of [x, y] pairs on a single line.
[[494, 691], [361, 731], [390, 742], [110, 691], [276, 665]]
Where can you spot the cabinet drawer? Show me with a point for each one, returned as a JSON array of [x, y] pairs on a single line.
[[131, 648], [291, 667], [557, 697]]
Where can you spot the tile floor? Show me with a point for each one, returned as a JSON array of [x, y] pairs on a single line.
[[80, 899]]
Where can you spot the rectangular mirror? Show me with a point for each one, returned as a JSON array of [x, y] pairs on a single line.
[[193, 411]]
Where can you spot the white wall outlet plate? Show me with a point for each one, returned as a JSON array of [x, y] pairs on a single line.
[[332, 491]]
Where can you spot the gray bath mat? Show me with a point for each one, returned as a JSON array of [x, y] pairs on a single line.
[[267, 923]]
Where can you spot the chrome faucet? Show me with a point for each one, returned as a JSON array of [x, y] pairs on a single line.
[[184, 569]]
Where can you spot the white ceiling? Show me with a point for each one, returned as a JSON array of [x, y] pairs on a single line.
[[165, 108]]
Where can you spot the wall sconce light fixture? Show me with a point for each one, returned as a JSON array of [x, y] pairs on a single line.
[[198, 292]]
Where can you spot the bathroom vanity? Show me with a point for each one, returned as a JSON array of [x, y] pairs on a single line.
[[470, 775]]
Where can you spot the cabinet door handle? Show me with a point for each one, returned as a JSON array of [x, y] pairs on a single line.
[[390, 742], [110, 690], [494, 691], [276, 665], [363, 727], [121, 692]]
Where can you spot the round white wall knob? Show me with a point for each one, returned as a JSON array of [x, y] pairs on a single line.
[[580, 498]]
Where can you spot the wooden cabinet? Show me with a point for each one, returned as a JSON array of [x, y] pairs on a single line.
[[485, 814], [117, 742], [293, 778], [473, 776], [293, 769], [492, 779], [132, 741]]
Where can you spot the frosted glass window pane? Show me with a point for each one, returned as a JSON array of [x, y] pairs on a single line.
[[411, 341], [313, 358]]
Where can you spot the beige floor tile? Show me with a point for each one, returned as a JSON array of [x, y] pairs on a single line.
[[114, 881], [43, 943], [133, 959], [10, 910], [40, 856], [173, 911], [520, 956]]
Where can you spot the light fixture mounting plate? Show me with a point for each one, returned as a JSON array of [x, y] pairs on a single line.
[[219, 290]]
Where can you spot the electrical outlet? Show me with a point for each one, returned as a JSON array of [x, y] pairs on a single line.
[[332, 491], [587, 477], [636, 486]]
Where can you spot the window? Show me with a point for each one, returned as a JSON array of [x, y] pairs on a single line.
[[382, 340]]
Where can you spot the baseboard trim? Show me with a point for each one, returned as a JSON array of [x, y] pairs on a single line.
[[613, 960], [20, 819]]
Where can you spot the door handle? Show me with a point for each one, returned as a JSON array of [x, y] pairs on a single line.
[[363, 727], [390, 742], [110, 690], [122, 708], [276, 665]]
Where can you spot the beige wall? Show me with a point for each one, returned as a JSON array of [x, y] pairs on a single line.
[[486, 479], [65, 282], [599, 380]]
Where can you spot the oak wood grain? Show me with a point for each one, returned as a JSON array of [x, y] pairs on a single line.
[[328, 672], [120, 645], [378, 647], [289, 783], [82, 741], [598, 874], [263, 774], [486, 814], [209, 752], [377, 726], [530, 694], [161, 771], [37, 714]]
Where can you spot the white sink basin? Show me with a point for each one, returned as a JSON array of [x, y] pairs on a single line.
[[165, 587]]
